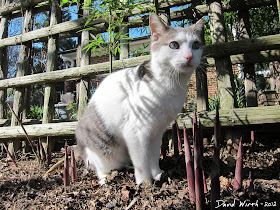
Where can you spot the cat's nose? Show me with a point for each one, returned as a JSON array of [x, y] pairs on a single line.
[[188, 57]]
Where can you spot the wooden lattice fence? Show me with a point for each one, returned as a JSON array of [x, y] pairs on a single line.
[[220, 53]]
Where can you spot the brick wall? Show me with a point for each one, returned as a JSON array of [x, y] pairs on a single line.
[[99, 59], [211, 83]]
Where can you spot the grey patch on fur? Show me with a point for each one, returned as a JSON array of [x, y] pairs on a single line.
[[144, 71], [91, 132]]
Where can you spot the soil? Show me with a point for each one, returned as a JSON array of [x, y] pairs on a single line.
[[26, 187]]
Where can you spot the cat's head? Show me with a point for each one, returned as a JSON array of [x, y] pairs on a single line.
[[178, 48]]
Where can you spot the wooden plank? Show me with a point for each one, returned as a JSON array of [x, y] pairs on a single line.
[[235, 117], [18, 5], [228, 118], [219, 50], [41, 130], [77, 72], [68, 26], [225, 83]]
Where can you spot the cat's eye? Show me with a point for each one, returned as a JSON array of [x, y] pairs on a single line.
[[174, 45], [196, 45]]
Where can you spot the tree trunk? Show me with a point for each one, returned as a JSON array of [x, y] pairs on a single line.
[[23, 67], [249, 69], [85, 60], [223, 65], [49, 96], [124, 47], [3, 63], [202, 89]]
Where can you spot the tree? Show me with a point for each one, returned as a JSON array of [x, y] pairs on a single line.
[[115, 13]]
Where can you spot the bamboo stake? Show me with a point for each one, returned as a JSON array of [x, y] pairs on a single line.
[[43, 154], [66, 178], [73, 167], [49, 152]]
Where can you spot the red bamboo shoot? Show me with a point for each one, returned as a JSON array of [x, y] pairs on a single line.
[[189, 167]]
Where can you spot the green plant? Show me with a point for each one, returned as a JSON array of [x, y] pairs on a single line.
[[115, 13], [36, 112], [240, 92], [140, 51], [213, 102], [73, 107]]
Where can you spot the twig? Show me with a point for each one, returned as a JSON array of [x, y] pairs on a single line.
[[49, 151], [27, 137], [8, 152], [55, 166]]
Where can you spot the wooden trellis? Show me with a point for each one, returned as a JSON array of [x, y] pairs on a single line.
[[221, 53]]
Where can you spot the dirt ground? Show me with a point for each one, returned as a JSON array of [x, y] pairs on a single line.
[[26, 187]]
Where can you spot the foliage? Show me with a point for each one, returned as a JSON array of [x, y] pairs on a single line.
[[36, 112], [264, 21], [73, 107], [240, 92], [213, 102], [115, 13], [140, 51]]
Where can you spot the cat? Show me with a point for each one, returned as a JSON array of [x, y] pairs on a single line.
[[130, 110]]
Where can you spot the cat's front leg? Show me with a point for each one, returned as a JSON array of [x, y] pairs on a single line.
[[139, 155], [154, 158]]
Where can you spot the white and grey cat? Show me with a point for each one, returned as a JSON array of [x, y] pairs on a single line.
[[130, 110]]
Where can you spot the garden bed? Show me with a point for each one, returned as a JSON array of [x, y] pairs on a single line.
[[26, 187]]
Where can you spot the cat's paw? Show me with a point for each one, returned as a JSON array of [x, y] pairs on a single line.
[[144, 180], [158, 175], [102, 181]]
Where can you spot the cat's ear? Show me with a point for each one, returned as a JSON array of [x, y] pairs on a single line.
[[157, 27], [199, 26]]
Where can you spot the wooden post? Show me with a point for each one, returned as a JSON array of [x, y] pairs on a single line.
[[249, 69], [3, 63], [23, 67], [201, 88], [85, 60], [165, 17], [49, 99], [201, 85], [223, 65], [124, 47]]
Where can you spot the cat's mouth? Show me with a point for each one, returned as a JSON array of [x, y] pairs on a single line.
[[186, 65]]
